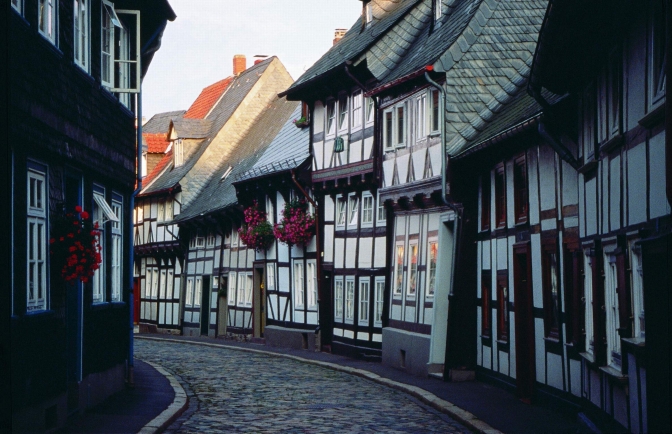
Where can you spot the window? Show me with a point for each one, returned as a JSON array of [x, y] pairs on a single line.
[[81, 24], [367, 210], [168, 210], [394, 128], [379, 302], [420, 117], [412, 269], [435, 110], [612, 310], [189, 298], [162, 286], [161, 210], [99, 217], [353, 207], [234, 237], [199, 242], [433, 254], [298, 284], [486, 283], [154, 289], [342, 112], [520, 189], [502, 307], [382, 213], [609, 98], [401, 126], [210, 241], [117, 243], [340, 217], [18, 6], [331, 114], [124, 66], [364, 301], [231, 293], [551, 290], [270, 277], [311, 286], [169, 285], [399, 269], [485, 202], [500, 197], [574, 295], [369, 110], [388, 131], [349, 299], [338, 299], [637, 290], [37, 228], [198, 291], [357, 109], [657, 54], [178, 153], [588, 132], [245, 289], [270, 210], [46, 19], [110, 20]]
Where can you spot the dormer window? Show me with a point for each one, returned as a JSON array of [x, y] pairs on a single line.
[[368, 13], [178, 153], [437, 10]]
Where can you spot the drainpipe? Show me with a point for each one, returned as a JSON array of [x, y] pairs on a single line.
[[130, 379], [449, 204]]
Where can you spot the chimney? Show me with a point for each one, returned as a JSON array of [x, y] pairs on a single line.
[[338, 35], [239, 64], [258, 58]]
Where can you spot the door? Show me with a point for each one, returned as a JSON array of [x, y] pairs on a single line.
[[136, 300], [205, 306], [525, 351], [259, 303], [326, 313]]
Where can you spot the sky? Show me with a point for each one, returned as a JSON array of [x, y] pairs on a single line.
[[197, 48]]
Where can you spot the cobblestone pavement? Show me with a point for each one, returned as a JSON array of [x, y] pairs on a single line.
[[235, 391]]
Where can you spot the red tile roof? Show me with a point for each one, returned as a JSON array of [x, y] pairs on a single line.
[[156, 143], [158, 168], [207, 99]]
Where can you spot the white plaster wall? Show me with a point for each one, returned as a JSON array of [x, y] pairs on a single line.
[[658, 205], [636, 179]]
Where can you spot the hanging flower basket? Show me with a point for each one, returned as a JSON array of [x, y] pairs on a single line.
[[297, 225], [257, 232], [301, 122], [74, 248]]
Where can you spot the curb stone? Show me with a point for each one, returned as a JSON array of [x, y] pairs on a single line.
[[174, 410], [463, 416]]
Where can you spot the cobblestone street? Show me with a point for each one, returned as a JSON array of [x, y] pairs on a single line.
[[235, 391]]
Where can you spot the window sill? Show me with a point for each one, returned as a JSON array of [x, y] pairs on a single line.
[[502, 342], [100, 305], [636, 346], [588, 167], [51, 44], [40, 314], [19, 15], [615, 374], [611, 144], [655, 116], [552, 340], [588, 357]]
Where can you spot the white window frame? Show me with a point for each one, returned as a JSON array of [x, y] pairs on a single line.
[[168, 210], [429, 292], [349, 300], [356, 111], [234, 237], [82, 26], [612, 313], [637, 288], [124, 66], [199, 242], [367, 210], [297, 268], [117, 249], [231, 293], [98, 216], [330, 118], [198, 291], [37, 236], [379, 302], [311, 283], [270, 210], [399, 263], [161, 210], [434, 105], [391, 139], [343, 112], [338, 298], [249, 282], [421, 117], [109, 20], [242, 278], [353, 210], [178, 153], [170, 284], [162, 285], [370, 108], [341, 211], [411, 291], [210, 240], [656, 94], [588, 312], [47, 22], [189, 297], [388, 129], [381, 212], [364, 297]]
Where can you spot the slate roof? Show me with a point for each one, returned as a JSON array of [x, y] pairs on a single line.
[[386, 13], [271, 131], [288, 150], [160, 122], [219, 115], [483, 76], [156, 143], [192, 128], [207, 99]]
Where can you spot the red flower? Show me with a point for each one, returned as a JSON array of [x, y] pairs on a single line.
[[78, 208], [85, 215]]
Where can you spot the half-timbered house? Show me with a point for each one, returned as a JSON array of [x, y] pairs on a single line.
[[202, 141], [612, 59], [74, 71], [289, 273]]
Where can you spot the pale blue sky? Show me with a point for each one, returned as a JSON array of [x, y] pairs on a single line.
[[198, 47]]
